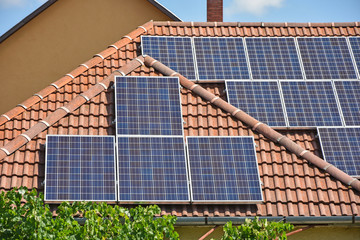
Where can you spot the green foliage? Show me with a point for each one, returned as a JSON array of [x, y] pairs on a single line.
[[34, 220], [257, 229]]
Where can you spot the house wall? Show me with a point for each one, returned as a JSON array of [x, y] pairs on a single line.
[[348, 232], [60, 38]]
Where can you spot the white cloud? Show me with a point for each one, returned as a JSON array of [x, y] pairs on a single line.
[[256, 7]]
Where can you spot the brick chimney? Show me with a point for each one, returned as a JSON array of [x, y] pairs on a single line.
[[214, 10]]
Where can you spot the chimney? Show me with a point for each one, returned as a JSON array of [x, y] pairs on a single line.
[[214, 10]]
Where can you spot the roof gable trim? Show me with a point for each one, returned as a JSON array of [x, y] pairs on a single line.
[[61, 112], [73, 74]]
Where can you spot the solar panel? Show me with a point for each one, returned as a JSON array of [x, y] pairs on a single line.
[[348, 93], [174, 52], [80, 168], [326, 58], [221, 58], [355, 47], [341, 147], [152, 169], [310, 104], [273, 58], [260, 99], [223, 170], [148, 106]]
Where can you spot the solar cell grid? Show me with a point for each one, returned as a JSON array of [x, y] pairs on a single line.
[[152, 169], [326, 58], [174, 52], [310, 104], [80, 168], [260, 99], [273, 58], [223, 170], [148, 106], [341, 147], [355, 47], [348, 93], [221, 58]]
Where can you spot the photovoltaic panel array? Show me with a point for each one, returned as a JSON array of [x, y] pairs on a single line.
[[355, 46], [310, 104], [326, 58], [148, 106], [152, 169], [223, 169], [348, 93], [174, 52], [80, 168], [273, 58], [260, 99], [221, 58], [341, 147]]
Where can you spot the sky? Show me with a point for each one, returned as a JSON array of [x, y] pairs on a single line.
[[13, 11]]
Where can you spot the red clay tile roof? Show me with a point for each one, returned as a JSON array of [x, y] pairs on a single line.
[[291, 186]]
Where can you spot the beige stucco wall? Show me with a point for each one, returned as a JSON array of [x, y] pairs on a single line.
[[348, 232], [63, 36]]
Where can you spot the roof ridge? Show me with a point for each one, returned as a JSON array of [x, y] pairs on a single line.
[[255, 24], [96, 59], [256, 125], [64, 110]]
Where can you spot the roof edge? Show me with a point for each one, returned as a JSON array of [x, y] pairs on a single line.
[[298, 220], [27, 19], [165, 10], [47, 4], [255, 24]]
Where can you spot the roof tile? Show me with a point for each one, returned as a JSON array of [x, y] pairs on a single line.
[[292, 187]]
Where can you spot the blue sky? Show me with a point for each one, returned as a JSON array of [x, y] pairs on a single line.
[[13, 11]]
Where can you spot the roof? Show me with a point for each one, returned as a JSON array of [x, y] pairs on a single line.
[[49, 3], [291, 185]]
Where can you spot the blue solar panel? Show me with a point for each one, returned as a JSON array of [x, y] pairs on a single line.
[[348, 93], [152, 169], [341, 147], [174, 52], [259, 99], [326, 58], [310, 104], [223, 169], [80, 168], [148, 106], [273, 58], [221, 58], [355, 46]]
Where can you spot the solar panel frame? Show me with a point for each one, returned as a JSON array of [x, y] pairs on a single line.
[[205, 68], [314, 114], [350, 110], [46, 199], [181, 128], [152, 201], [224, 201], [337, 147], [262, 101], [331, 70], [354, 46], [192, 75], [274, 60]]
